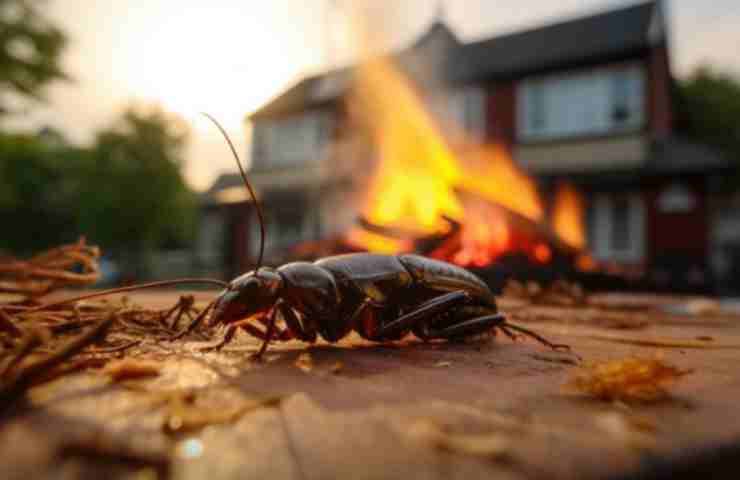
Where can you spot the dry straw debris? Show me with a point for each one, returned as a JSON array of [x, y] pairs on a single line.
[[41, 341], [630, 380]]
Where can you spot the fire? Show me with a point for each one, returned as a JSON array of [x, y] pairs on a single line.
[[412, 185], [494, 175], [485, 236], [567, 217], [419, 178], [542, 253], [376, 243]]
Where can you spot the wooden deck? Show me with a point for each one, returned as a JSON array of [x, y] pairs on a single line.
[[405, 410]]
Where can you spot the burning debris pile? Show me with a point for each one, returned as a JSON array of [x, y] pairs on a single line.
[[473, 197], [438, 193]]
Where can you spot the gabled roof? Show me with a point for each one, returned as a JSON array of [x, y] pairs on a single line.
[[604, 35], [310, 92], [612, 34]]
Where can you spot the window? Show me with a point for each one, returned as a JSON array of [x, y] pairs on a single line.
[[616, 228], [536, 108], [468, 110], [290, 141], [581, 104], [286, 227], [626, 98]]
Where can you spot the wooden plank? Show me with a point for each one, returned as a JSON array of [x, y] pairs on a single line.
[[408, 409]]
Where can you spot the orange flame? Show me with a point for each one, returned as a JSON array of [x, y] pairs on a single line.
[[412, 184], [567, 217], [418, 174], [494, 176]]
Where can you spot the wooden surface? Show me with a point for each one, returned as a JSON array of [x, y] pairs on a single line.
[[404, 410]]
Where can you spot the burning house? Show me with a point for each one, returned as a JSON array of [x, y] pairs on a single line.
[[557, 141]]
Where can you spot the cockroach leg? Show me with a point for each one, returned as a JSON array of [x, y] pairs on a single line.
[[231, 330], [558, 347], [270, 330], [194, 324], [513, 336], [469, 327]]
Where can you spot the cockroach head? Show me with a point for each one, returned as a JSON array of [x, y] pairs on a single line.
[[251, 293]]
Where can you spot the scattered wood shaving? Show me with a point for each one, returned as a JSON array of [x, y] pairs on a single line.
[[642, 341], [304, 362], [131, 369], [627, 380], [633, 432], [442, 364], [703, 306], [489, 445], [337, 368], [659, 342], [185, 416]]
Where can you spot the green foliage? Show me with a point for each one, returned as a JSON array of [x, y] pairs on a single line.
[[30, 50], [134, 195], [709, 109], [36, 194], [125, 193]]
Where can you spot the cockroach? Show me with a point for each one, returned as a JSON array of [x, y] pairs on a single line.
[[381, 297]]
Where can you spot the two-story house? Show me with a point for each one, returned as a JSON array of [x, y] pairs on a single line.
[[588, 100]]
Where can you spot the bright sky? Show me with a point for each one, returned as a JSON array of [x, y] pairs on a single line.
[[228, 57]]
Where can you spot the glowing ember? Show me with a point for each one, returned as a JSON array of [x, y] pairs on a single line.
[[542, 253], [484, 237], [567, 217]]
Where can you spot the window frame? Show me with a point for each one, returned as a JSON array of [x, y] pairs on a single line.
[[271, 150], [602, 227], [553, 94]]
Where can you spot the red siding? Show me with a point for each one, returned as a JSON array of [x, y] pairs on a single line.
[[501, 114], [238, 230], [660, 111], [685, 234]]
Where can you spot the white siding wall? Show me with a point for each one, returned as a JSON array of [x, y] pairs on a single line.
[[292, 141]]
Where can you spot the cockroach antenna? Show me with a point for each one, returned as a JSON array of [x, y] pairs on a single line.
[[246, 184], [142, 286]]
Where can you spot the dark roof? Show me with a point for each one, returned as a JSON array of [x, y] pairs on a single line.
[[681, 155], [310, 92], [601, 36], [595, 37]]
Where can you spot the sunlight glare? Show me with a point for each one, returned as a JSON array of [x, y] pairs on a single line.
[[206, 57]]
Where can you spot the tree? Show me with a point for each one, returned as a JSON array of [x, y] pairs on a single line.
[[133, 197], [709, 110], [30, 51], [38, 184], [125, 193]]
